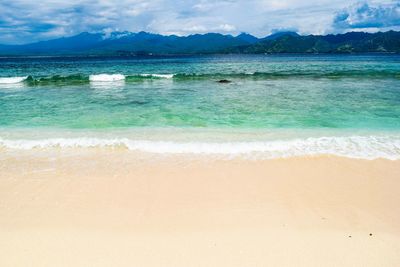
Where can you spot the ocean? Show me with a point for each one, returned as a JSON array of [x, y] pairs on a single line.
[[268, 106]]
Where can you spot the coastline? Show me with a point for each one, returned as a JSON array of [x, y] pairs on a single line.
[[215, 143], [105, 207]]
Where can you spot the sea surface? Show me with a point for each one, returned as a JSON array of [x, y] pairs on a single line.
[[266, 105]]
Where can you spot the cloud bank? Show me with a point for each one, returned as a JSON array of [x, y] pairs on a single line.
[[23, 21], [363, 15]]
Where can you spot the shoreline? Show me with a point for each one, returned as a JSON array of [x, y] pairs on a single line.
[[119, 208], [213, 143]]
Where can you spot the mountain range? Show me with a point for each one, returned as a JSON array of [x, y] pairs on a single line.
[[143, 43]]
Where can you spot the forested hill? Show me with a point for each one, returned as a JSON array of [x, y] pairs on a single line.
[[143, 43]]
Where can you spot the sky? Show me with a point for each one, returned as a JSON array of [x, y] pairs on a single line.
[[26, 21]]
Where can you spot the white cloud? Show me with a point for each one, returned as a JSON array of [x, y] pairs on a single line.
[[27, 20], [363, 15], [226, 28], [195, 28]]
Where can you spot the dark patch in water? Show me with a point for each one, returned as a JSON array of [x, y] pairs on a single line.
[[136, 102], [224, 81]]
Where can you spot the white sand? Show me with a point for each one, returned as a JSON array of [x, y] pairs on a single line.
[[114, 208]]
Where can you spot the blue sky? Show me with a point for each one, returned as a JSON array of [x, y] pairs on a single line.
[[23, 21]]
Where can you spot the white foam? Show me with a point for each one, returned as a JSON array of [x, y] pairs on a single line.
[[106, 77], [164, 76], [12, 80], [363, 147]]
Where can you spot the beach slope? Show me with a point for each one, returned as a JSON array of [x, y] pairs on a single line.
[[115, 208]]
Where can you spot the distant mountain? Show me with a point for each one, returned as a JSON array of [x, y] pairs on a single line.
[[67, 45], [277, 35], [248, 38], [352, 42], [121, 43], [143, 43]]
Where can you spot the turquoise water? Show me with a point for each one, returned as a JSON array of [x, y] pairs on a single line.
[[267, 99]]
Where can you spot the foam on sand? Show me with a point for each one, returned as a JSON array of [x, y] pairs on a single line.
[[363, 147]]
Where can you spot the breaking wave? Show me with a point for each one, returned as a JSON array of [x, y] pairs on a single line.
[[165, 76], [83, 79], [106, 77], [12, 80]]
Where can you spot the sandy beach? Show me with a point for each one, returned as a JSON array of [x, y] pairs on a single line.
[[116, 208]]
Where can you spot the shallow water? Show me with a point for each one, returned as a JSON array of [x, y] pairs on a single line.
[[276, 105]]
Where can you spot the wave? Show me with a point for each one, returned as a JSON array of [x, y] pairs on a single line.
[[362, 147], [12, 80], [293, 74], [84, 79], [106, 77], [165, 76]]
